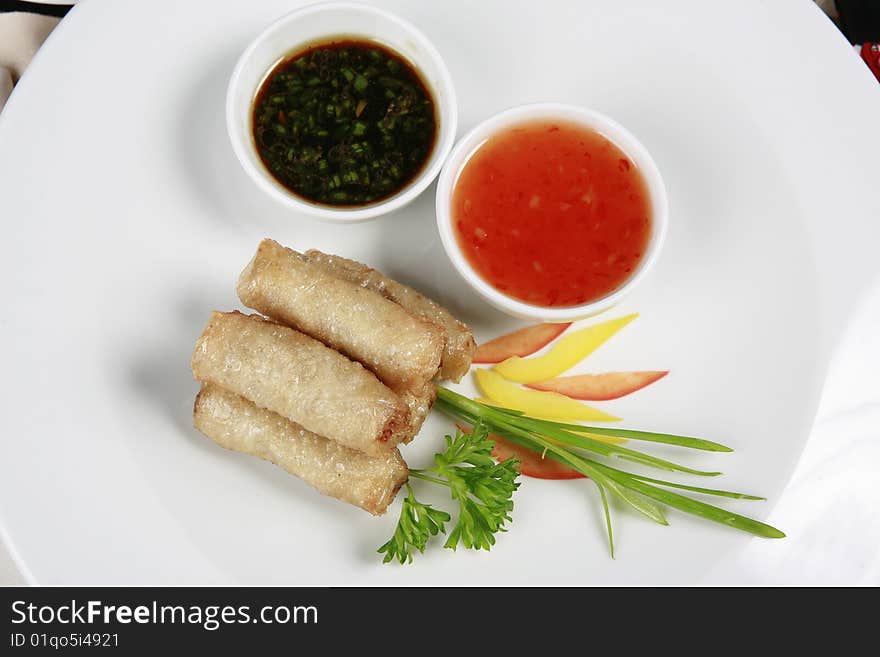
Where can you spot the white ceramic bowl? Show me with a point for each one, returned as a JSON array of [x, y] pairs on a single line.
[[327, 21], [615, 133]]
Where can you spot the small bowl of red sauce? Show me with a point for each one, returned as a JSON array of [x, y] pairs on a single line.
[[551, 212]]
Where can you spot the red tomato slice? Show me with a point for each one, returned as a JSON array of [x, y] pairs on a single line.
[[531, 463], [523, 342], [599, 387]]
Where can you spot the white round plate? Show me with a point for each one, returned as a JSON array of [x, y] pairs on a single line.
[[126, 219]]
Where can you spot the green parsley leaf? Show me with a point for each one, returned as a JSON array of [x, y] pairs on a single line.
[[483, 489], [417, 523]]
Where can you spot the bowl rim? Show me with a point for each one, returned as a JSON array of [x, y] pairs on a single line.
[[446, 108], [614, 132]]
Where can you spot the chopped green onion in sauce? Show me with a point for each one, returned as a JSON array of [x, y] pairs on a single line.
[[344, 123]]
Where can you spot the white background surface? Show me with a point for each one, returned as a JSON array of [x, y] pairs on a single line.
[[829, 508]]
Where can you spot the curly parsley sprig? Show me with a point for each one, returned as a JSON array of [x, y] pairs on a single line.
[[418, 522], [483, 489]]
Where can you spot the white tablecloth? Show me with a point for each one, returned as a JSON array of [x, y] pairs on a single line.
[[831, 508]]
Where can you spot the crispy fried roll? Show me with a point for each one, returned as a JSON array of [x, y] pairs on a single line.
[[460, 344], [296, 376], [404, 351], [233, 422], [419, 405]]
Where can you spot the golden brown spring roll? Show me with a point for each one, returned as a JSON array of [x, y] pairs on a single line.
[[235, 423], [460, 345], [287, 372], [419, 405], [403, 351]]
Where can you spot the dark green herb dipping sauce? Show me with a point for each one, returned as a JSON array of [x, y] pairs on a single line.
[[344, 123]]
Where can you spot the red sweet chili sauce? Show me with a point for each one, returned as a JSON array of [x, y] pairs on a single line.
[[552, 213]]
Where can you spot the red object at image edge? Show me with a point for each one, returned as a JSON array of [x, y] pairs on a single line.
[[871, 54]]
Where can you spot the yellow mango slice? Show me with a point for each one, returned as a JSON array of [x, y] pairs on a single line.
[[611, 440], [565, 354], [550, 405]]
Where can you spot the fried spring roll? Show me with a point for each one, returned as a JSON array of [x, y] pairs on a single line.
[[285, 371], [419, 405], [460, 345], [235, 423], [404, 351]]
